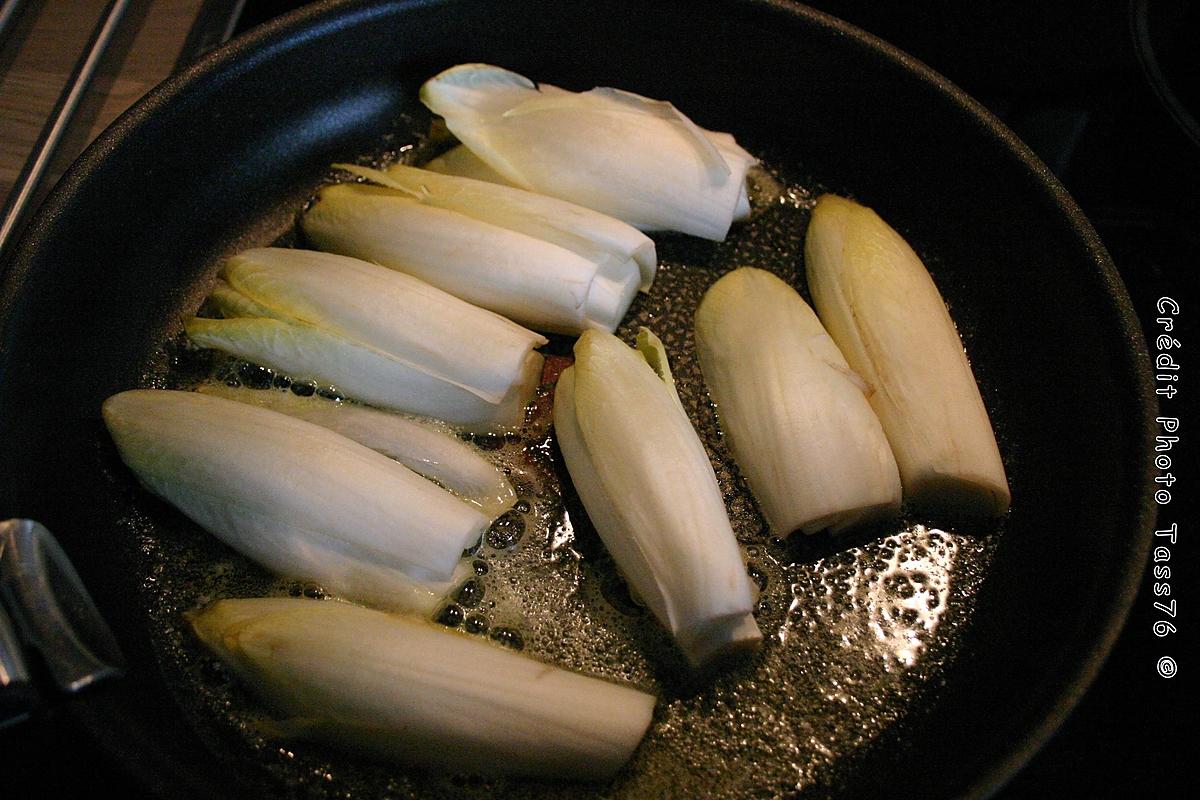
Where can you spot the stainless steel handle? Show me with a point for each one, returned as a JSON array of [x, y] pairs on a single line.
[[17, 695], [53, 613]]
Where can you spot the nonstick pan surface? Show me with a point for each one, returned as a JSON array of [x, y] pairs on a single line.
[[225, 155]]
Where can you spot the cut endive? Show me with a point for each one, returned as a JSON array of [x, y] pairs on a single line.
[[299, 499], [460, 161], [649, 489], [796, 418], [424, 445], [421, 694], [637, 159], [881, 306], [613, 245], [546, 263], [380, 336]]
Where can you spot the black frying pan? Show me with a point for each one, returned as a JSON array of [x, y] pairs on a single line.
[[222, 157]]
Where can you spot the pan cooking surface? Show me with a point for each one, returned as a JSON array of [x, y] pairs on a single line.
[[857, 628], [936, 657]]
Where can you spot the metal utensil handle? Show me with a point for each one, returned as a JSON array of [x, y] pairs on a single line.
[[35, 167], [51, 612], [9, 10], [18, 698]]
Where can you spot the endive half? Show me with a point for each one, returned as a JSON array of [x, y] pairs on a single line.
[[649, 488], [608, 242], [637, 159], [881, 306], [459, 160], [424, 445], [297, 498], [406, 690], [544, 262], [382, 337], [795, 416]]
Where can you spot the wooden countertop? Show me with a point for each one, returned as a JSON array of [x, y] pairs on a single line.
[[39, 53]]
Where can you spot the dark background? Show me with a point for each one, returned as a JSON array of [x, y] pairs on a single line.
[[1071, 79]]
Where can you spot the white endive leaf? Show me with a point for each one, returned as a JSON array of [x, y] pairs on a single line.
[[648, 487], [796, 418], [459, 160], [654, 353], [637, 159], [425, 446], [881, 306], [410, 691], [301, 500], [234, 305], [536, 282], [382, 337], [608, 242], [369, 375], [618, 101], [389, 311]]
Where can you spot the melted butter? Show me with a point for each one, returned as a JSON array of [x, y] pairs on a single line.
[[895, 591]]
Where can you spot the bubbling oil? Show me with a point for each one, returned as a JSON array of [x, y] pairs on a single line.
[[855, 630]]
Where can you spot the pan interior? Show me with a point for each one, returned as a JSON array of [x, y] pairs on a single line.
[[932, 651], [857, 629]]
